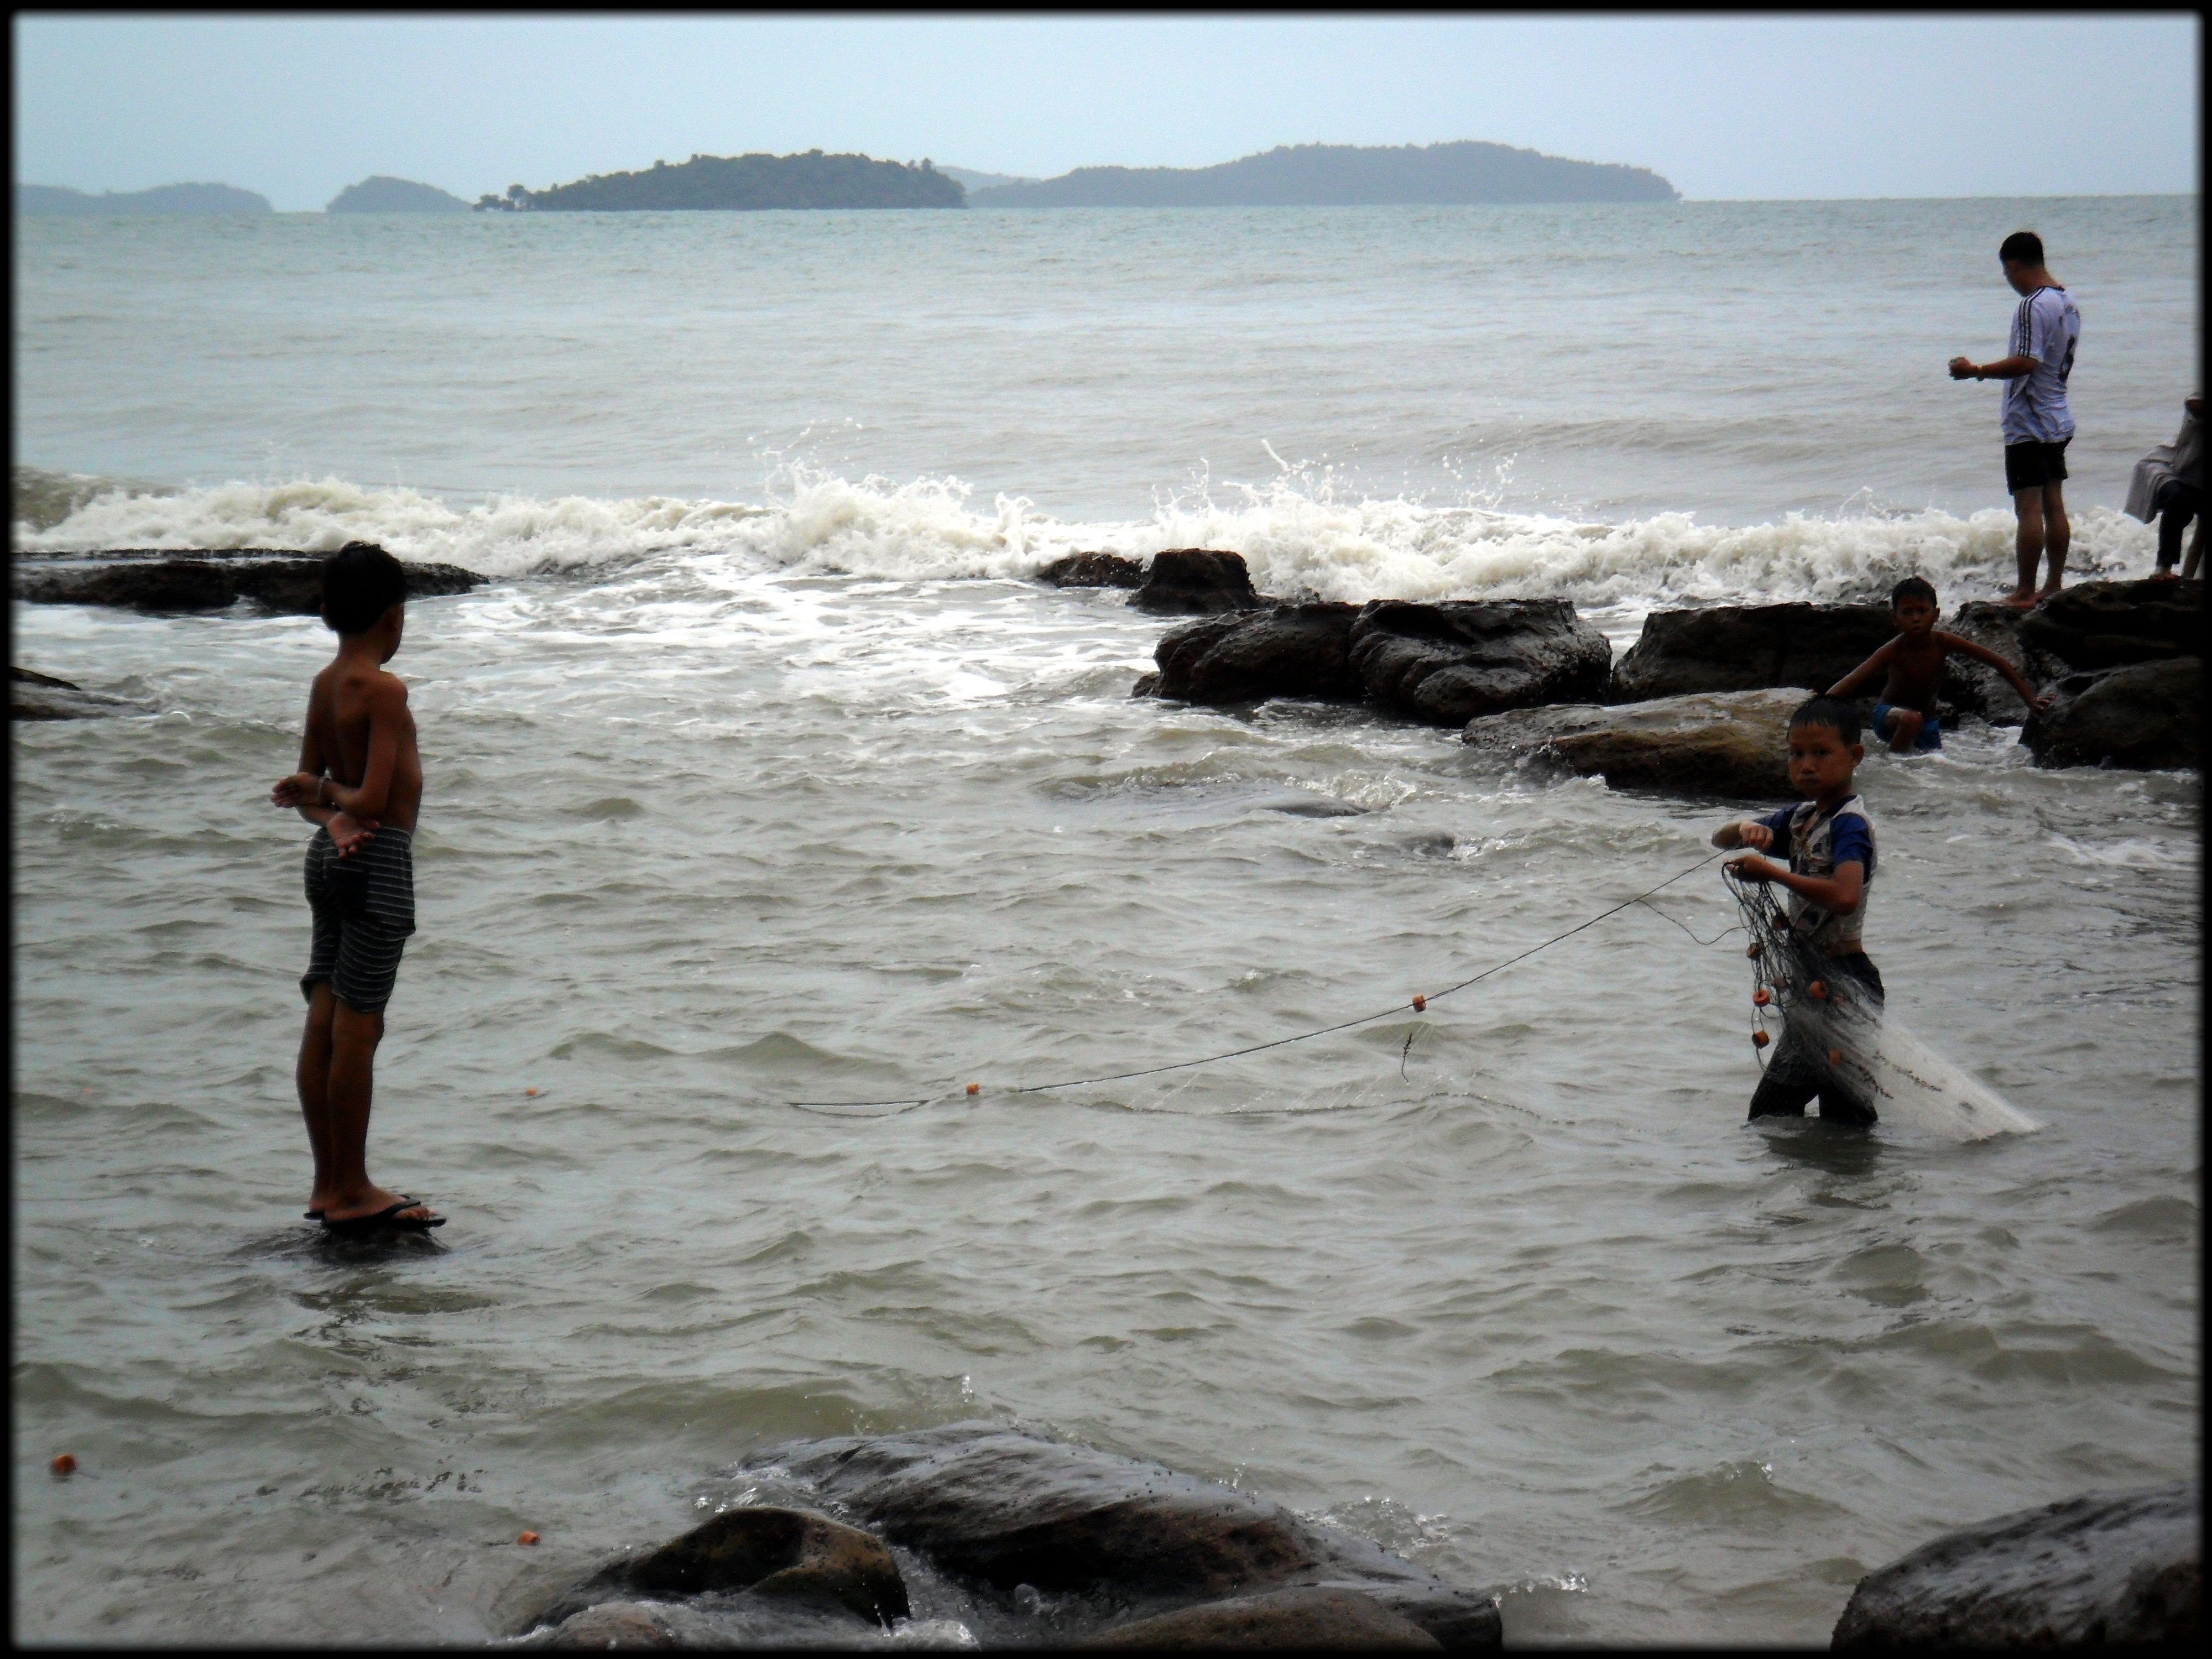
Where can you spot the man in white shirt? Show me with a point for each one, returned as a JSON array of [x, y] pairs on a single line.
[[2036, 422]]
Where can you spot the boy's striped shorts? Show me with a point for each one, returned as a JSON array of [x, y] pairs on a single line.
[[363, 908]]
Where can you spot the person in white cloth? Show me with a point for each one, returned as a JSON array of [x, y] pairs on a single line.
[[2169, 486], [2038, 425]]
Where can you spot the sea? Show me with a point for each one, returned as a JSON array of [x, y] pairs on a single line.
[[771, 804]]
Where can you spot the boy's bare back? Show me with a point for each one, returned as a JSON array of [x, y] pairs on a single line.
[[358, 723]]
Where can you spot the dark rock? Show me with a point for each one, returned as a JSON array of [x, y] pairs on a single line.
[[767, 1552], [1093, 570], [615, 1625], [1290, 651], [1195, 581], [2144, 717], [290, 587], [1452, 662], [1747, 647], [33, 696], [1008, 1509], [2112, 624], [1733, 743], [2104, 1569], [1975, 687], [1312, 1619]]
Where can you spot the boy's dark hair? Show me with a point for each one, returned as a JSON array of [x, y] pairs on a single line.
[[1913, 587], [2021, 247], [1829, 711], [361, 583]]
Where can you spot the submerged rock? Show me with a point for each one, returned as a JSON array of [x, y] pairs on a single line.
[[2145, 717], [1733, 743], [1335, 1618], [1093, 570], [2112, 624], [34, 697], [2104, 1569], [1451, 663], [1010, 1509], [1195, 581], [616, 1624], [289, 585], [1748, 647], [766, 1552], [1290, 651]]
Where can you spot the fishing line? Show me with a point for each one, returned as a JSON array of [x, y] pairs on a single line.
[[1418, 1005]]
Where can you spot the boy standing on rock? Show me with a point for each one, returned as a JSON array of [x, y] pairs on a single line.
[[1905, 717], [2037, 423], [361, 782]]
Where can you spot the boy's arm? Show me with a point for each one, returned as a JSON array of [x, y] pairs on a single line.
[[2029, 695], [1838, 892], [301, 790], [1865, 671], [387, 714], [1748, 832]]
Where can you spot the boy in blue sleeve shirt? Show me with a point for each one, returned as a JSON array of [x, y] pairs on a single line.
[[1829, 840]]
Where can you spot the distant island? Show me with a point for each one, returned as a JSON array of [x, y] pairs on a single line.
[[379, 194], [1346, 175], [744, 183], [162, 198], [974, 180]]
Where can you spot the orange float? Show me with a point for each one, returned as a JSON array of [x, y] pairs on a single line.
[[1835, 1056], [1420, 1003], [975, 1088], [525, 1538], [63, 1465], [1817, 991], [1758, 1039], [1761, 997]]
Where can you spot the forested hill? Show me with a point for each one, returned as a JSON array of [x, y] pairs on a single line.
[[1346, 175], [811, 180], [162, 198]]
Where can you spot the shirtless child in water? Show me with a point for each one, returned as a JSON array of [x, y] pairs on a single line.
[[1905, 716], [361, 780]]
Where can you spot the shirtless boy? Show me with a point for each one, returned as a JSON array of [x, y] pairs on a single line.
[[361, 781], [1905, 716]]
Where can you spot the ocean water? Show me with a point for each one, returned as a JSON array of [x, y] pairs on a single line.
[[761, 773]]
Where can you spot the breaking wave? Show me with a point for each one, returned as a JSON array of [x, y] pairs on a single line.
[[1296, 537]]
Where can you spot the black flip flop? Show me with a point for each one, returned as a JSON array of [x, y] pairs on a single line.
[[387, 1217], [312, 1215]]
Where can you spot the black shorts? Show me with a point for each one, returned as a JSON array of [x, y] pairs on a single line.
[[363, 908], [2029, 466]]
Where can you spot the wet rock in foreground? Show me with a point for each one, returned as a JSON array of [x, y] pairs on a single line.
[[1451, 663], [1290, 651], [1340, 1619], [1196, 581], [290, 585], [1734, 743], [1093, 570], [1730, 647], [2105, 1569], [2147, 716], [34, 697], [2095, 625]]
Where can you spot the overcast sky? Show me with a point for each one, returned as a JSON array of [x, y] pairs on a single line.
[[298, 107]]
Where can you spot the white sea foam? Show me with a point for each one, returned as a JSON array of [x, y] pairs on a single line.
[[1296, 537]]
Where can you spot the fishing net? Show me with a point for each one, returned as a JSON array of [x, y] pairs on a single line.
[[1814, 1024]]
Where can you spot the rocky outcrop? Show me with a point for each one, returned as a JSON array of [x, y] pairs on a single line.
[[1975, 687], [1005, 1510], [1451, 663], [1290, 651], [1734, 743], [764, 1551], [2145, 717], [1196, 581], [42, 697], [2112, 624], [291, 585], [1748, 647], [1094, 570], [2104, 1569], [1337, 1619]]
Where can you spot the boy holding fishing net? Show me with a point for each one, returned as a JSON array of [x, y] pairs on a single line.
[[1829, 840]]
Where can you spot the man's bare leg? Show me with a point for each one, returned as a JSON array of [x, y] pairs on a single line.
[[2028, 513], [313, 1078], [352, 1087], [2058, 537]]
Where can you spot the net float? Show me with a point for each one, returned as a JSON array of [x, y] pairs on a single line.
[[1752, 949], [1758, 1039], [975, 1088], [1835, 1056], [1420, 1003], [525, 1538], [530, 1091], [63, 1465], [1761, 997], [1817, 991]]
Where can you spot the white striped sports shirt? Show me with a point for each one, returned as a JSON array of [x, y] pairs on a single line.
[[2047, 328]]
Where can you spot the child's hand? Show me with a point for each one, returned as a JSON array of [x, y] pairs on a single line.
[[1962, 368], [1755, 834], [1752, 869], [298, 790], [350, 835], [2041, 702]]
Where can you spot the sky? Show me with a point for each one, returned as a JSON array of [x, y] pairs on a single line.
[[2039, 104]]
